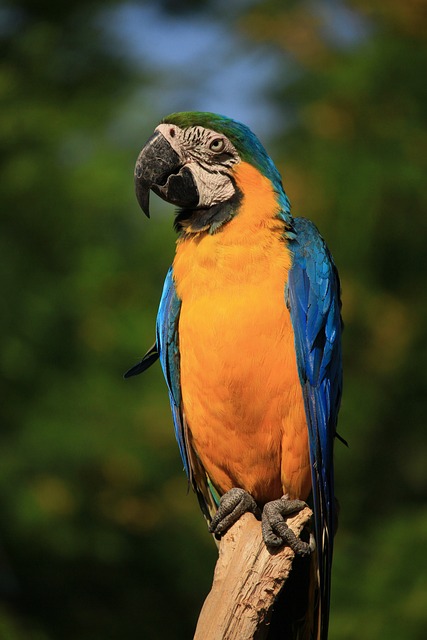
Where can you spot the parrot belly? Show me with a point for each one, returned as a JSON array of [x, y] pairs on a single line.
[[241, 393]]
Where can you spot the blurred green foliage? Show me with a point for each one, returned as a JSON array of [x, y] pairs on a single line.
[[98, 536]]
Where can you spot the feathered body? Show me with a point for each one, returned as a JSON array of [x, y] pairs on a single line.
[[248, 331], [241, 393]]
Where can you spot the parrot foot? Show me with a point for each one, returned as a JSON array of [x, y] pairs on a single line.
[[276, 532], [232, 506]]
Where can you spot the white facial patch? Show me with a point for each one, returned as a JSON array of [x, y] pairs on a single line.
[[213, 187], [211, 169]]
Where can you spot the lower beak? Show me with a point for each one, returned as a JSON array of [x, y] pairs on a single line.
[[160, 168]]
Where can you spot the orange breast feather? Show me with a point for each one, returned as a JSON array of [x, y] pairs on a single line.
[[241, 394]]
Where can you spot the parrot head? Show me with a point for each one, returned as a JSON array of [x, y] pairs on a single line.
[[190, 161]]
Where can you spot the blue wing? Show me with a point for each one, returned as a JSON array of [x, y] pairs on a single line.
[[166, 348], [313, 299]]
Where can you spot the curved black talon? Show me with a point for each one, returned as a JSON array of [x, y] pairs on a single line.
[[276, 532], [232, 506]]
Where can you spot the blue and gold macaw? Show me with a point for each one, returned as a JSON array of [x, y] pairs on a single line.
[[249, 339]]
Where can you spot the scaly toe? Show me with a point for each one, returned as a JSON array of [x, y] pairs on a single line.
[[232, 506], [276, 532]]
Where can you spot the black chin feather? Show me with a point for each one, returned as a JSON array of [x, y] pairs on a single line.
[[209, 218]]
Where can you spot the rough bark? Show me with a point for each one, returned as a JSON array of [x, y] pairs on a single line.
[[246, 582]]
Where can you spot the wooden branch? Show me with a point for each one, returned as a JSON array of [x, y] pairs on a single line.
[[246, 582]]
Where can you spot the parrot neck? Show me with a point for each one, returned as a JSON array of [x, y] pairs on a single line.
[[242, 249], [250, 187]]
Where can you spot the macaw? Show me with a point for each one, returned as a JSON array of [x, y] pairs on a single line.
[[249, 339]]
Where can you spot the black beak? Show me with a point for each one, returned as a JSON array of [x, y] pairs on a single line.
[[160, 168]]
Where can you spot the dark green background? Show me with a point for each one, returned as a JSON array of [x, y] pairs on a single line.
[[98, 537]]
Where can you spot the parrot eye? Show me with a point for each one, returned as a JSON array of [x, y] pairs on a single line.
[[217, 145]]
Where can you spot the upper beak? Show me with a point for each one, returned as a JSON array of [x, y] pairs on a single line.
[[160, 168]]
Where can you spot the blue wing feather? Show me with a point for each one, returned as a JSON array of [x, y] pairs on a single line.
[[313, 299], [168, 349]]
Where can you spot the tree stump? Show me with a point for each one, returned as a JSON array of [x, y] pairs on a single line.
[[246, 582]]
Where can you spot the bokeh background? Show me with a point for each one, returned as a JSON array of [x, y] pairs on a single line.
[[98, 537]]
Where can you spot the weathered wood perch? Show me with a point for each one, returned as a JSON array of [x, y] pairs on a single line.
[[246, 582]]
